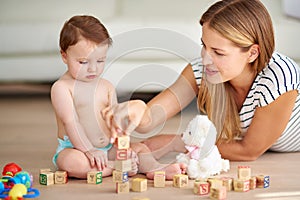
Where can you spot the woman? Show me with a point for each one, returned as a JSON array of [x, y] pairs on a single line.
[[249, 92]]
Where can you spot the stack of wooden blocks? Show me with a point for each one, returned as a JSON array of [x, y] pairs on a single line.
[[122, 164], [47, 177], [217, 187]]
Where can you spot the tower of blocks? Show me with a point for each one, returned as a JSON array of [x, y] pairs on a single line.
[[122, 164]]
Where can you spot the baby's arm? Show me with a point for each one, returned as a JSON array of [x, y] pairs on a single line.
[[62, 102]]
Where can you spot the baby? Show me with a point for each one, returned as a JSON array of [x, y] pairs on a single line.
[[79, 97]]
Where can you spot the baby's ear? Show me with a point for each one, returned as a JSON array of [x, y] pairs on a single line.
[[63, 56]]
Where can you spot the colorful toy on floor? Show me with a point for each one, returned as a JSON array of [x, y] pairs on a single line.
[[16, 184], [203, 159]]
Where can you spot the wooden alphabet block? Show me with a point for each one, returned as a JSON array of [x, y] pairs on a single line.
[[60, 177], [94, 177], [159, 179], [180, 180], [139, 185], [46, 178], [123, 154], [123, 165], [241, 185], [122, 187], [262, 181], [201, 187], [123, 142], [119, 176], [252, 183], [215, 182], [244, 172], [228, 183], [218, 193]]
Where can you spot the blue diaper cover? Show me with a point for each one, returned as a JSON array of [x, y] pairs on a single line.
[[66, 143]]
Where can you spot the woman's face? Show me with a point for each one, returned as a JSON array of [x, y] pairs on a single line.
[[223, 60]]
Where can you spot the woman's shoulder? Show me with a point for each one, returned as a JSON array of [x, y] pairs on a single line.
[[280, 70]]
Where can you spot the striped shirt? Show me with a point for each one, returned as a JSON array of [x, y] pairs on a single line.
[[280, 75]]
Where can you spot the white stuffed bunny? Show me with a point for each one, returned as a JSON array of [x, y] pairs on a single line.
[[203, 158]]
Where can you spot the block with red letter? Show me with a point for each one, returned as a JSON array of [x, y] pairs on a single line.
[[201, 187], [241, 185]]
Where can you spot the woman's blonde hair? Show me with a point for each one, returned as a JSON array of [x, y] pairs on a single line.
[[244, 22]]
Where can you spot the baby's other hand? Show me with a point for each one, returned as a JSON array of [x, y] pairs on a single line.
[[97, 158]]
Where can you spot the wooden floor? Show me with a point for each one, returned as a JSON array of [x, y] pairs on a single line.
[[28, 138]]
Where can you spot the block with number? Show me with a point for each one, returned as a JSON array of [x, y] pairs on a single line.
[[123, 165], [94, 177], [241, 185], [46, 178], [244, 172], [180, 180], [139, 185], [119, 176], [60, 177], [122, 187], [201, 187], [123, 142], [159, 179], [262, 181], [218, 193]]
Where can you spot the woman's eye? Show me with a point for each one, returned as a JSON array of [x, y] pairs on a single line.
[[219, 54], [100, 61]]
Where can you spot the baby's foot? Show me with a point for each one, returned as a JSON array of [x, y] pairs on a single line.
[[170, 170]]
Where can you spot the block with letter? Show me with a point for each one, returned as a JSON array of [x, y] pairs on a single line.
[[46, 178], [123, 154], [159, 179], [139, 185], [262, 181], [180, 180], [241, 185], [201, 187], [94, 177], [215, 182]]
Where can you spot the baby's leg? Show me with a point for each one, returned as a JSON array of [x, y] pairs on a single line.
[[160, 145], [78, 165], [148, 164]]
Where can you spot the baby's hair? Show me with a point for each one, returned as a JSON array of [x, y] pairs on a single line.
[[84, 26]]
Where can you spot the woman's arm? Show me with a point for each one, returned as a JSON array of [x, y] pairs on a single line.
[[170, 101], [266, 127], [135, 114]]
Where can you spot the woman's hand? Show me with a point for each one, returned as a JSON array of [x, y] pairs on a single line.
[[123, 118], [97, 158]]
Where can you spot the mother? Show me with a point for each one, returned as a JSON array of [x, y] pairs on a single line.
[[249, 91]]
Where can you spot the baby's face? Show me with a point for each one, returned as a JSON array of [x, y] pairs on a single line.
[[85, 60]]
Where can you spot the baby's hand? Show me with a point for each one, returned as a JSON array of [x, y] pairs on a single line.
[[134, 164], [98, 158]]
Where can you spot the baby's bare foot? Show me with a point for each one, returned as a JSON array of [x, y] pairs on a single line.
[[170, 170]]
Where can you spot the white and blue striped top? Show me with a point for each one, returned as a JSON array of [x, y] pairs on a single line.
[[281, 75]]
